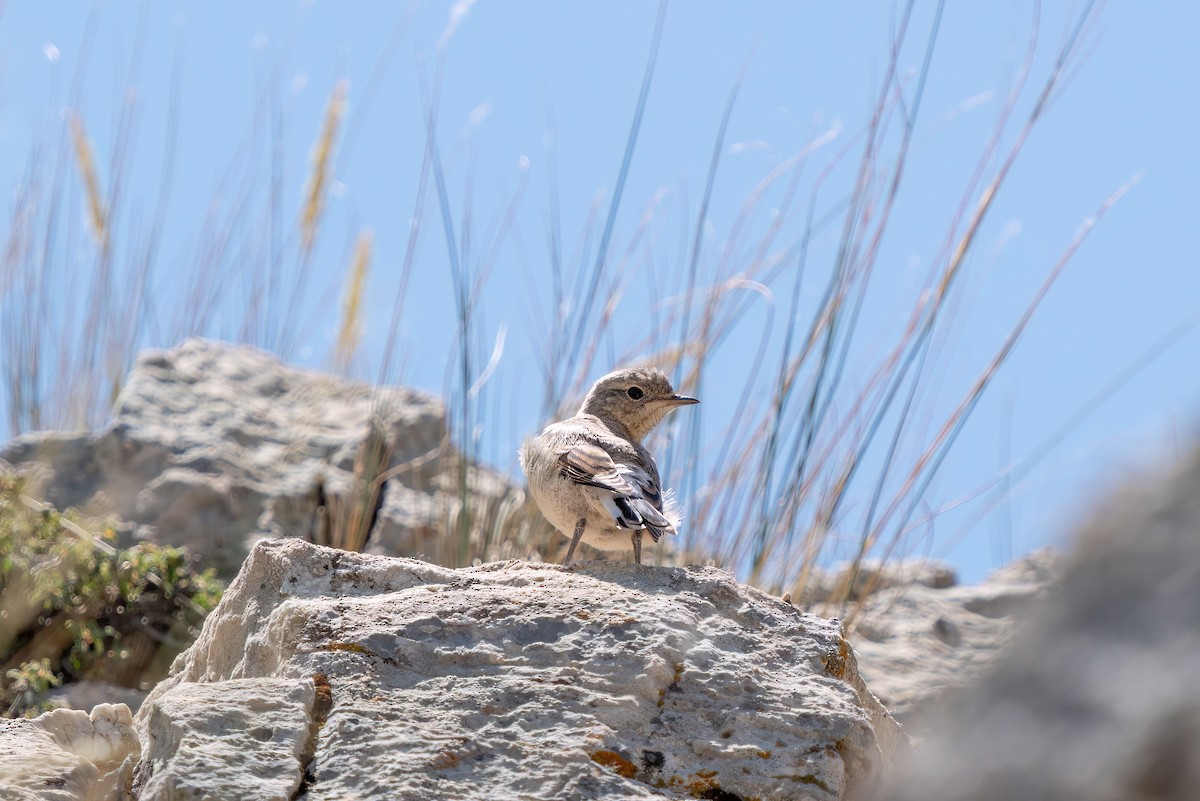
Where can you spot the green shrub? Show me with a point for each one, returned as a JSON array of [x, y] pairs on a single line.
[[73, 606]]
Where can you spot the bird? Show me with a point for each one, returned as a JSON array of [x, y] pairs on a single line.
[[590, 475]]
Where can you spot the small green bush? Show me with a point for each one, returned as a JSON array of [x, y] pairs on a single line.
[[73, 607]]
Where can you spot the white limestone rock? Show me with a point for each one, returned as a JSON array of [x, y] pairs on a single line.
[[603, 680], [68, 755], [214, 446], [246, 738], [918, 637], [104, 737], [35, 768], [873, 577], [1096, 697]]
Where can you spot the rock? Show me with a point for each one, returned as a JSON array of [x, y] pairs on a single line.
[[68, 755], [873, 577], [922, 635], [602, 680], [218, 740], [35, 768], [104, 737], [213, 446], [1096, 697], [89, 693], [831, 589]]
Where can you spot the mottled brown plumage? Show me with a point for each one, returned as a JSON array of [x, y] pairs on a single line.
[[592, 477]]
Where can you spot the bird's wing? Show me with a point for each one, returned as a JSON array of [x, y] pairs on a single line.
[[589, 464], [629, 492]]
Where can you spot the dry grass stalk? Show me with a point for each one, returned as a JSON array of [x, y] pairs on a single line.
[[97, 214], [350, 330], [322, 157], [813, 467], [351, 517]]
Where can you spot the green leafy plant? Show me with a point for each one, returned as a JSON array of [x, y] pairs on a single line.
[[75, 606], [27, 682]]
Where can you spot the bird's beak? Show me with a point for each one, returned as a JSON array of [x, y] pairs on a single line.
[[681, 400]]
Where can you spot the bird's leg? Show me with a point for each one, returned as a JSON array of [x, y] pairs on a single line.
[[636, 536], [575, 539]]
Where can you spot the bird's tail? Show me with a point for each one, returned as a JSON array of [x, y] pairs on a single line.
[[640, 513]]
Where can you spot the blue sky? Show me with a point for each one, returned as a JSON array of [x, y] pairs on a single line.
[[255, 79]]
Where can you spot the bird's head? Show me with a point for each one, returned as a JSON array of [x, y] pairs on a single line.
[[637, 398]]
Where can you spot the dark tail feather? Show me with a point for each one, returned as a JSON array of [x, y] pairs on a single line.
[[644, 513]]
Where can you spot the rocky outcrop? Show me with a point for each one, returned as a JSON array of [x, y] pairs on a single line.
[[919, 633], [214, 446], [1096, 698], [68, 755], [339, 675], [330, 674]]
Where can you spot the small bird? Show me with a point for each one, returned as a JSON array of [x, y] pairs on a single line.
[[590, 474]]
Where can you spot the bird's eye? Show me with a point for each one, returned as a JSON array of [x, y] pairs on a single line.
[[635, 393]]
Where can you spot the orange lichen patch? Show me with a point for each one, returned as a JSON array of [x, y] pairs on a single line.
[[446, 760], [764, 754], [614, 761], [807, 778], [836, 663], [674, 685], [810, 779], [322, 698], [703, 785], [583, 614], [352, 647]]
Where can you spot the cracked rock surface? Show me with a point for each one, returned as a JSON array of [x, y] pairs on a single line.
[[358, 676], [218, 740]]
